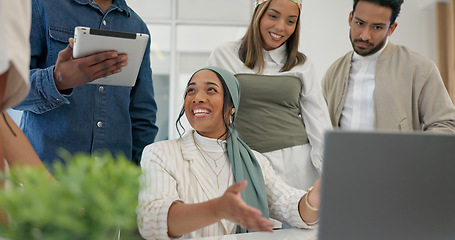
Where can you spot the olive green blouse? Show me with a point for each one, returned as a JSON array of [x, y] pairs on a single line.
[[269, 113]]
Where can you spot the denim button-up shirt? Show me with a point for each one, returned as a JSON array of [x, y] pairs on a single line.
[[90, 118]]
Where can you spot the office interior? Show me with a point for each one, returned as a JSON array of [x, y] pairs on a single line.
[[184, 32]]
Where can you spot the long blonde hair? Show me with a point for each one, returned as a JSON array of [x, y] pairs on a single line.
[[250, 51]]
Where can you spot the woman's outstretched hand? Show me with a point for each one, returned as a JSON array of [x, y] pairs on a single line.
[[231, 206], [186, 218]]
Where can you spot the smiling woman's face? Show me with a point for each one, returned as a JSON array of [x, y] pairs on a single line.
[[204, 104], [278, 23]]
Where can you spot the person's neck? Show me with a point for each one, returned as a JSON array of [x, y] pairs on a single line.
[[104, 4], [211, 135]]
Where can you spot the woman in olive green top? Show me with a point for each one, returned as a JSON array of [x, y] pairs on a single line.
[[282, 112]]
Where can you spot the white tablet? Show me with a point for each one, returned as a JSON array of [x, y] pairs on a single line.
[[89, 41]]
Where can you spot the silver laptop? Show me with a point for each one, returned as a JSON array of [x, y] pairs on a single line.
[[379, 185]]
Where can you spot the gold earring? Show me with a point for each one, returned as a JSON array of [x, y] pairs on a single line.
[[232, 111]]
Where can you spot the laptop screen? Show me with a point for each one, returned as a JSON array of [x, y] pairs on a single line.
[[381, 185]]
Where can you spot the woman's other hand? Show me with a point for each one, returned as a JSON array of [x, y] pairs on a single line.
[[315, 195]]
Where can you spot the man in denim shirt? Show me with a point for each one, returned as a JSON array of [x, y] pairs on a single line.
[[61, 110]]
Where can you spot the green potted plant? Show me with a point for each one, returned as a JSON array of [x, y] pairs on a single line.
[[88, 199]]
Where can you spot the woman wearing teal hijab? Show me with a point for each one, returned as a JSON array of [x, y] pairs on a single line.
[[209, 182]]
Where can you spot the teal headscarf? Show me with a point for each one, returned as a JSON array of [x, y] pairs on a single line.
[[244, 164]]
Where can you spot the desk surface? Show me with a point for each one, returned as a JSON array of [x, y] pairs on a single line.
[[283, 234]]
